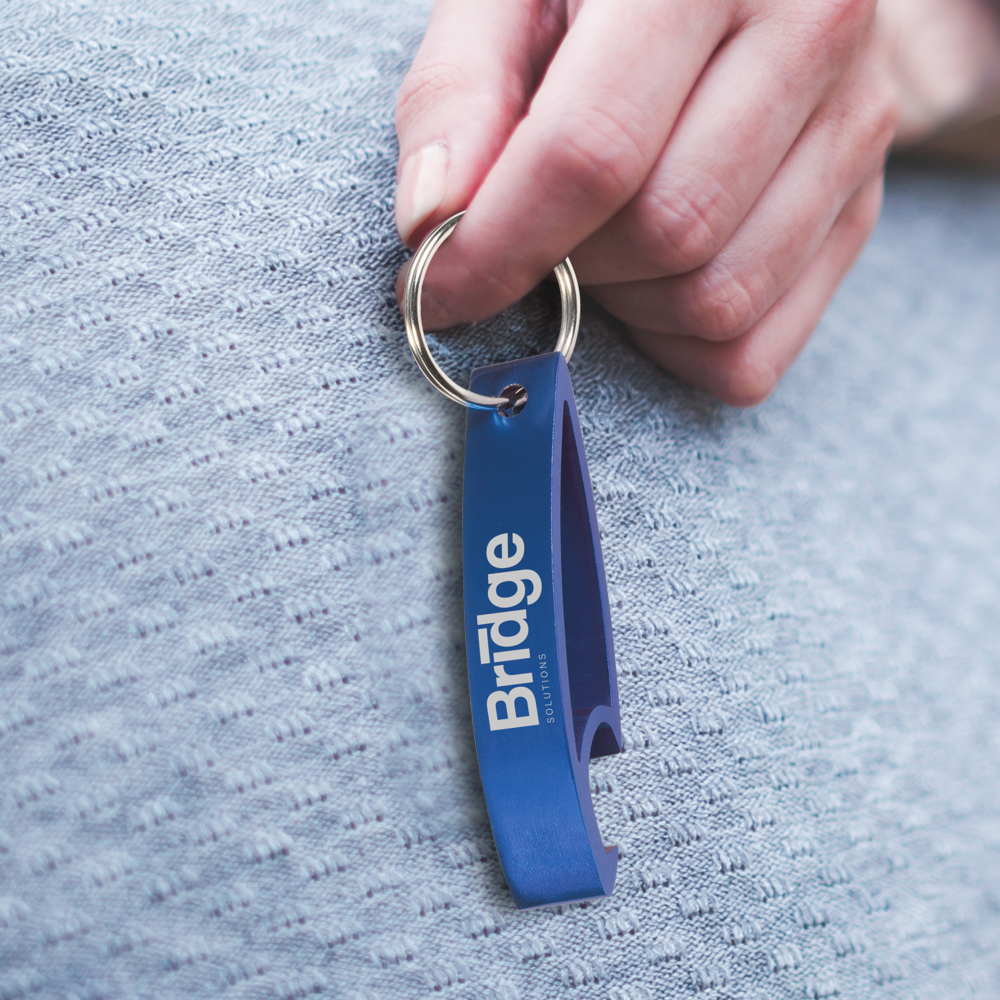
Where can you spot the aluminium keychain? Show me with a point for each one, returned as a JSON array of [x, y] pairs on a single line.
[[537, 622]]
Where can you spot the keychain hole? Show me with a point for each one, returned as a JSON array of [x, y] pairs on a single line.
[[516, 396]]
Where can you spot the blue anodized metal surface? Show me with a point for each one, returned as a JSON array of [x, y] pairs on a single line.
[[538, 632]]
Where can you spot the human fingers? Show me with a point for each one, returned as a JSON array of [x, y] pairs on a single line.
[[843, 145], [469, 85], [597, 122], [745, 371], [744, 115]]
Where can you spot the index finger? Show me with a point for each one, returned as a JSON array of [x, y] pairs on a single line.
[[596, 125]]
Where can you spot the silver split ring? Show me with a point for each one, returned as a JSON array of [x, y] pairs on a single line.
[[569, 295]]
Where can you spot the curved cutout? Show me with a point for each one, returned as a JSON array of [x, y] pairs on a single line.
[[587, 644]]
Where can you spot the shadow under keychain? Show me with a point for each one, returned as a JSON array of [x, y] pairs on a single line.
[[537, 622]]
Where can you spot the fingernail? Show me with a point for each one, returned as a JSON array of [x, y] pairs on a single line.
[[423, 183]]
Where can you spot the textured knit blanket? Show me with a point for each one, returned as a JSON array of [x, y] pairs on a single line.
[[235, 746]]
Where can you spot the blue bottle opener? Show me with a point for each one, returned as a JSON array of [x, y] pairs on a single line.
[[538, 626], [538, 633]]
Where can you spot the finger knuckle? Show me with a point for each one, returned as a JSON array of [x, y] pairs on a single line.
[[687, 223], [881, 120], [862, 213], [720, 304], [871, 99], [862, 122], [744, 381], [424, 86], [598, 156]]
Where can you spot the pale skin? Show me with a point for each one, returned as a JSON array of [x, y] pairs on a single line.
[[712, 168]]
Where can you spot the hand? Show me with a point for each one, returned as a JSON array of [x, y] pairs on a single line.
[[713, 168]]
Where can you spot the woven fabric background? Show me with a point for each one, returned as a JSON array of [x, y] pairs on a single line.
[[235, 749]]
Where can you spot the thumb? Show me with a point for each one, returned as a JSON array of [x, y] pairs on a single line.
[[469, 85]]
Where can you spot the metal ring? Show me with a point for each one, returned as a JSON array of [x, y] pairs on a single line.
[[569, 295]]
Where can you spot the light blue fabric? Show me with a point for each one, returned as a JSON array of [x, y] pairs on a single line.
[[235, 751]]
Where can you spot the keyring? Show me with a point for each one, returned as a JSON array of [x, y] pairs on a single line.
[[569, 295], [543, 688]]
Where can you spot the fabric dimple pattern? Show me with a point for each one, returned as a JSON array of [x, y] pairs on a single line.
[[235, 745]]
